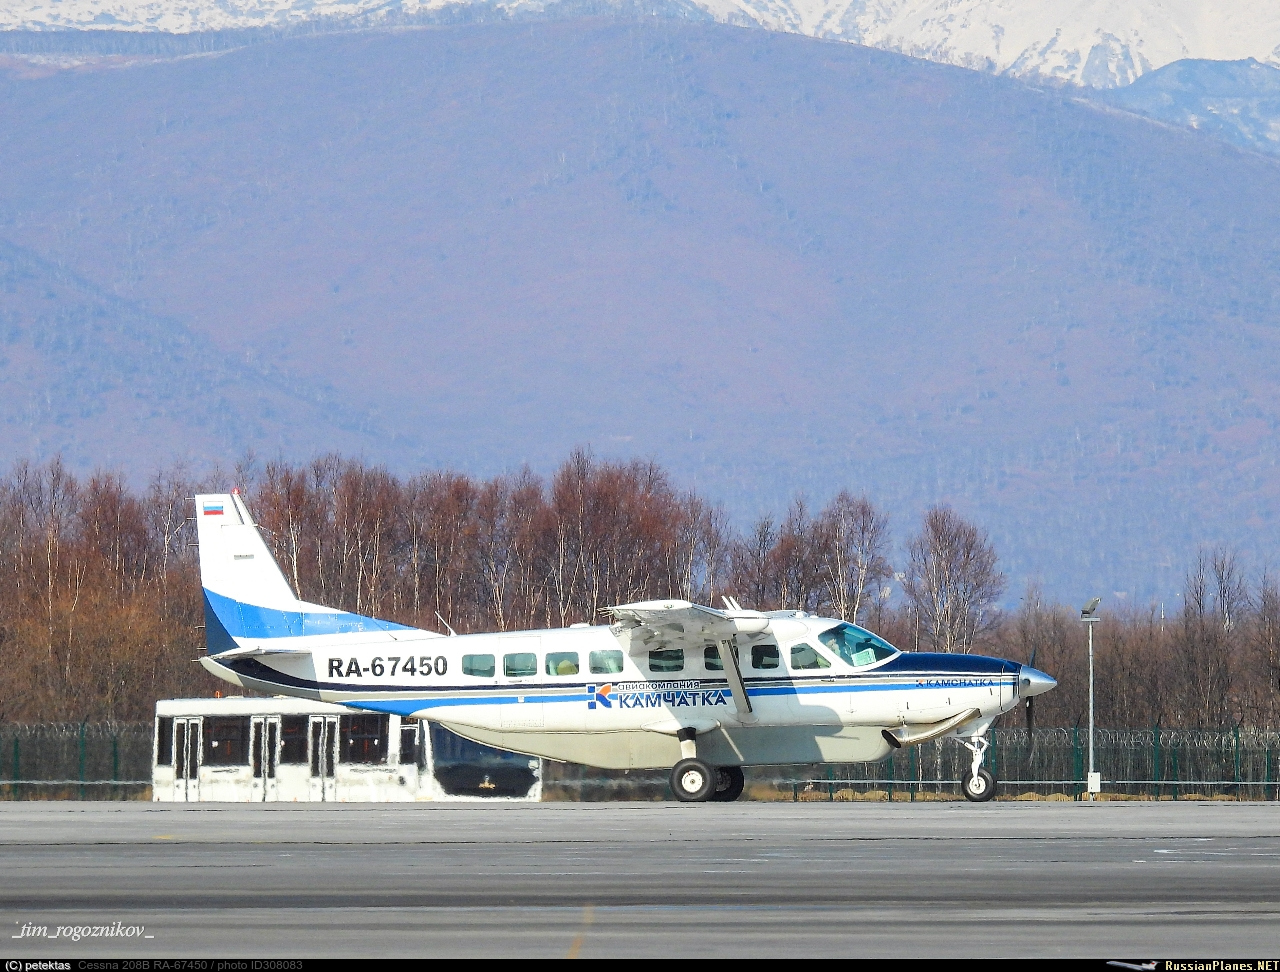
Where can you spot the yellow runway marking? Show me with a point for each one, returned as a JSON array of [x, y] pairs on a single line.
[[588, 917]]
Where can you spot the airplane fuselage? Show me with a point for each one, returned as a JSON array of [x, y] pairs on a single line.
[[586, 695]]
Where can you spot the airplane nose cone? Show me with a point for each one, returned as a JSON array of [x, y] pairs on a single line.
[[1032, 682]]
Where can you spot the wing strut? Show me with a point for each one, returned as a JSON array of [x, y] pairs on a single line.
[[729, 655]]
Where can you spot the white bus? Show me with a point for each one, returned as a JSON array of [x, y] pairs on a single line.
[[240, 750]]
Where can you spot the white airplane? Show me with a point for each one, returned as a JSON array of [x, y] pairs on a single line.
[[667, 684]]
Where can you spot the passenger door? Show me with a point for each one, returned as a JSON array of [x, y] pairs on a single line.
[[324, 757], [186, 760], [264, 743], [519, 659]]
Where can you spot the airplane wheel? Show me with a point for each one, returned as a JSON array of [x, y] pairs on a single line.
[[729, 783], [692, 781], [979, 789]]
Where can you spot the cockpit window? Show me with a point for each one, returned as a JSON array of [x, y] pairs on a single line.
[[856, 646]]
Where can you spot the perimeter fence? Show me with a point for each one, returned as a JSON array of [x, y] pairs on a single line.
[[1168, 764], [112, 761], [75, 761]]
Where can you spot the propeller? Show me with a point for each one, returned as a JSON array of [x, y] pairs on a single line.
[[1031, 702]]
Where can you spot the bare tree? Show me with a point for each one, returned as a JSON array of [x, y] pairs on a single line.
[[1265, 642], [750, 565], [952, 580], [1203, 643], [853, 537]]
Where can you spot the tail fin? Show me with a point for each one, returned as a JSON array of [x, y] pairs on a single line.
[[248, 604], [236, 568]]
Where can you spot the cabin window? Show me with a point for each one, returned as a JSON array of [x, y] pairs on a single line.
[[164, 742], [765, 656], [666, 660], [520, 664], [408, 743], [226, 741], [805, 657], [606, 662], [481, 666], [293, 740], [711, 659], [363, 738], [562, 663], [856, 646]]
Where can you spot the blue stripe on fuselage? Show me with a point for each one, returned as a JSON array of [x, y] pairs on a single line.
[[550, 694]]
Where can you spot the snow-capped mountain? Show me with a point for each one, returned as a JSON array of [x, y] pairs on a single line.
[[1097, 42], [1100, 43], [1236, 101]]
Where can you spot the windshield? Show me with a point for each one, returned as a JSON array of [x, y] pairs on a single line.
[[856, 646]]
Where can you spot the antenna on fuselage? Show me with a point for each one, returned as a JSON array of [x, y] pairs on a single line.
[[452, 633]]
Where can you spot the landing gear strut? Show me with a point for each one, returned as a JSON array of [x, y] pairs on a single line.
[[694, 780], [979, 786]]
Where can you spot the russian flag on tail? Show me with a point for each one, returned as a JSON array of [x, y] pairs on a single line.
[[212, 509]]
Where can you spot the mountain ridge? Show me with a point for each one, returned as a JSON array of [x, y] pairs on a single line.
[[1097, 43]]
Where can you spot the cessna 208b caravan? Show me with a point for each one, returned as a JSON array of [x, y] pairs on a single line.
[[667, 684]]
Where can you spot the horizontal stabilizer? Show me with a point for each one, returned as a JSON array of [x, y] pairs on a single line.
[[252, 652]]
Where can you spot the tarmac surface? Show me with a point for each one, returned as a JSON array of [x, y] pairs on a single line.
[[1135, 880]]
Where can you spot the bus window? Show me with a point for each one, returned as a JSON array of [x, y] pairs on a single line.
[[226, 741], [164, 742], [408, 742], [293, 740], [363, 738], [562, 663]]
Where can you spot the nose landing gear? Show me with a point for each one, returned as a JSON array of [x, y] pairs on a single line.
[[979, 786]]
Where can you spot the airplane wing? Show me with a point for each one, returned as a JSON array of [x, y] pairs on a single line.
[[680, 621], [650, 623]]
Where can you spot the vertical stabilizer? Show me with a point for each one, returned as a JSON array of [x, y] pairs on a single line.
[[234, 560], [237, 570]]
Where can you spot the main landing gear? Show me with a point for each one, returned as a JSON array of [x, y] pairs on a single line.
[[979, 786], [694, 780]]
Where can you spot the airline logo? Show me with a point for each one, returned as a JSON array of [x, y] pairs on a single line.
[[213, 508], [601, 696]]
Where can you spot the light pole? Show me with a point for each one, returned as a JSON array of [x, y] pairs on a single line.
[[1090, 617]]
